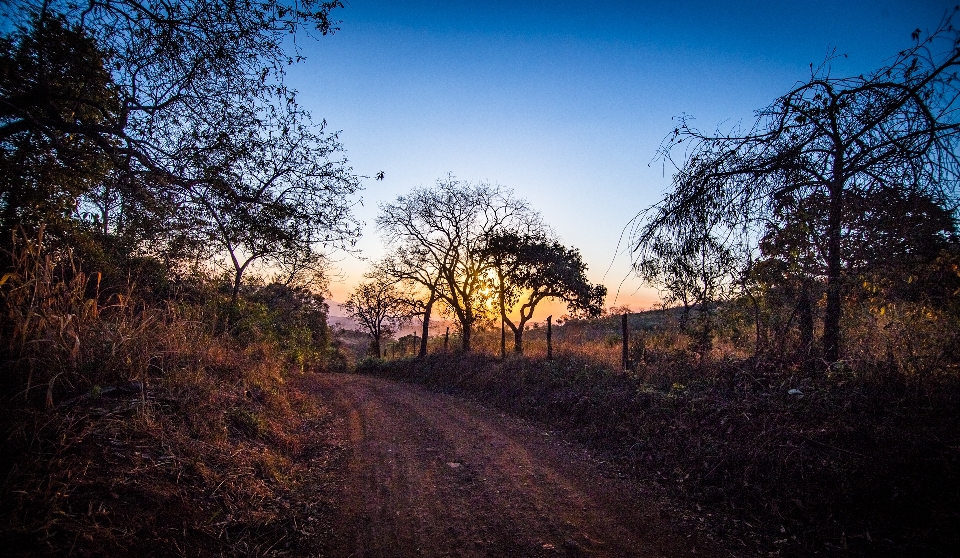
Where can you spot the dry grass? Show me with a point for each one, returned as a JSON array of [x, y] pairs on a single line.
[[137, 430], [62, 335], [201, 468]]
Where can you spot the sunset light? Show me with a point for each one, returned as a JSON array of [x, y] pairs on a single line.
[[389, 279]]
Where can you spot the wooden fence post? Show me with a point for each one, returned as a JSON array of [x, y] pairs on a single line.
[[446, 340], [550, 337], [626, 342]]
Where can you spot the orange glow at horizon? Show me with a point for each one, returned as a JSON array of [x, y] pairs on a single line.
[[640, 300]]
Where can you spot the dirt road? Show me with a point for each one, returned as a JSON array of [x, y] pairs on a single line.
[[433, 475]]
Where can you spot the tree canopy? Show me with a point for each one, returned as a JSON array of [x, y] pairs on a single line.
[[168, 127], [378, 307], [527, 269], [439, 235], [827, 142]]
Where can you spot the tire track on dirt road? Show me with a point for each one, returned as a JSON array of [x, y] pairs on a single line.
[[433, 475]]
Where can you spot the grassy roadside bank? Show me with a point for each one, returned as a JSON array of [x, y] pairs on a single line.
[[840, 466], [153, 415], [222, 464]]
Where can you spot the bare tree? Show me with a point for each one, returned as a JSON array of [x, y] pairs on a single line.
[[378, 307], [829, 137], [439, 235]]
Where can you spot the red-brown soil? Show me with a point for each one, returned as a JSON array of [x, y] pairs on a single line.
[[428, 474]]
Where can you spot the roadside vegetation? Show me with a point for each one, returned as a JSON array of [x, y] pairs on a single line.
[[160, 426], [165, 209], [856, 461], [167, 212], [799, 391]]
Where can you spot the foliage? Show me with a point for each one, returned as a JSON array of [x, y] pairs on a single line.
[[295, 318], [286, 200], [828, 141], [219, 456], [694, 268], [530, 268], [64, 334], [166, 130], [178, 68], [51, 71]]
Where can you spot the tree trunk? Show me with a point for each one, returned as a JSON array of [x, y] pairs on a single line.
[[233, 315], [831, 319], [805, 320], [503, 314], [105, 211], [237, 277], [503, 338], [376, 346], [625, 333], [465, 331], [550, 337], [760, 343], [518, 340], [236, 287], [426, 327]]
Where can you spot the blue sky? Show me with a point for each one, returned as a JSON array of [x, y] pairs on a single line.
[[566, 102]]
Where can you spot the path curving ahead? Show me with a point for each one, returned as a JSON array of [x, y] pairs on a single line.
[[432, 475]]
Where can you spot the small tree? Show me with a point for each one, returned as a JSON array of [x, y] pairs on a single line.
[[378, 308], [695, 269], [286, 200], [417, 269], [530, 268], [297, 319]]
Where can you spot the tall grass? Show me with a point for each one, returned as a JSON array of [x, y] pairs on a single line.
[[61, 333], [133, 425]]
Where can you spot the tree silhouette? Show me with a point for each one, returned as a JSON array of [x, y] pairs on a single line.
[[829, 137], [286, 205], [49, 74], [378, 308], [176, 67], [439, 235], [166, 129], [530, 268]]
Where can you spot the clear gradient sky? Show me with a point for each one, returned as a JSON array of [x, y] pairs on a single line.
[[566, 102]]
